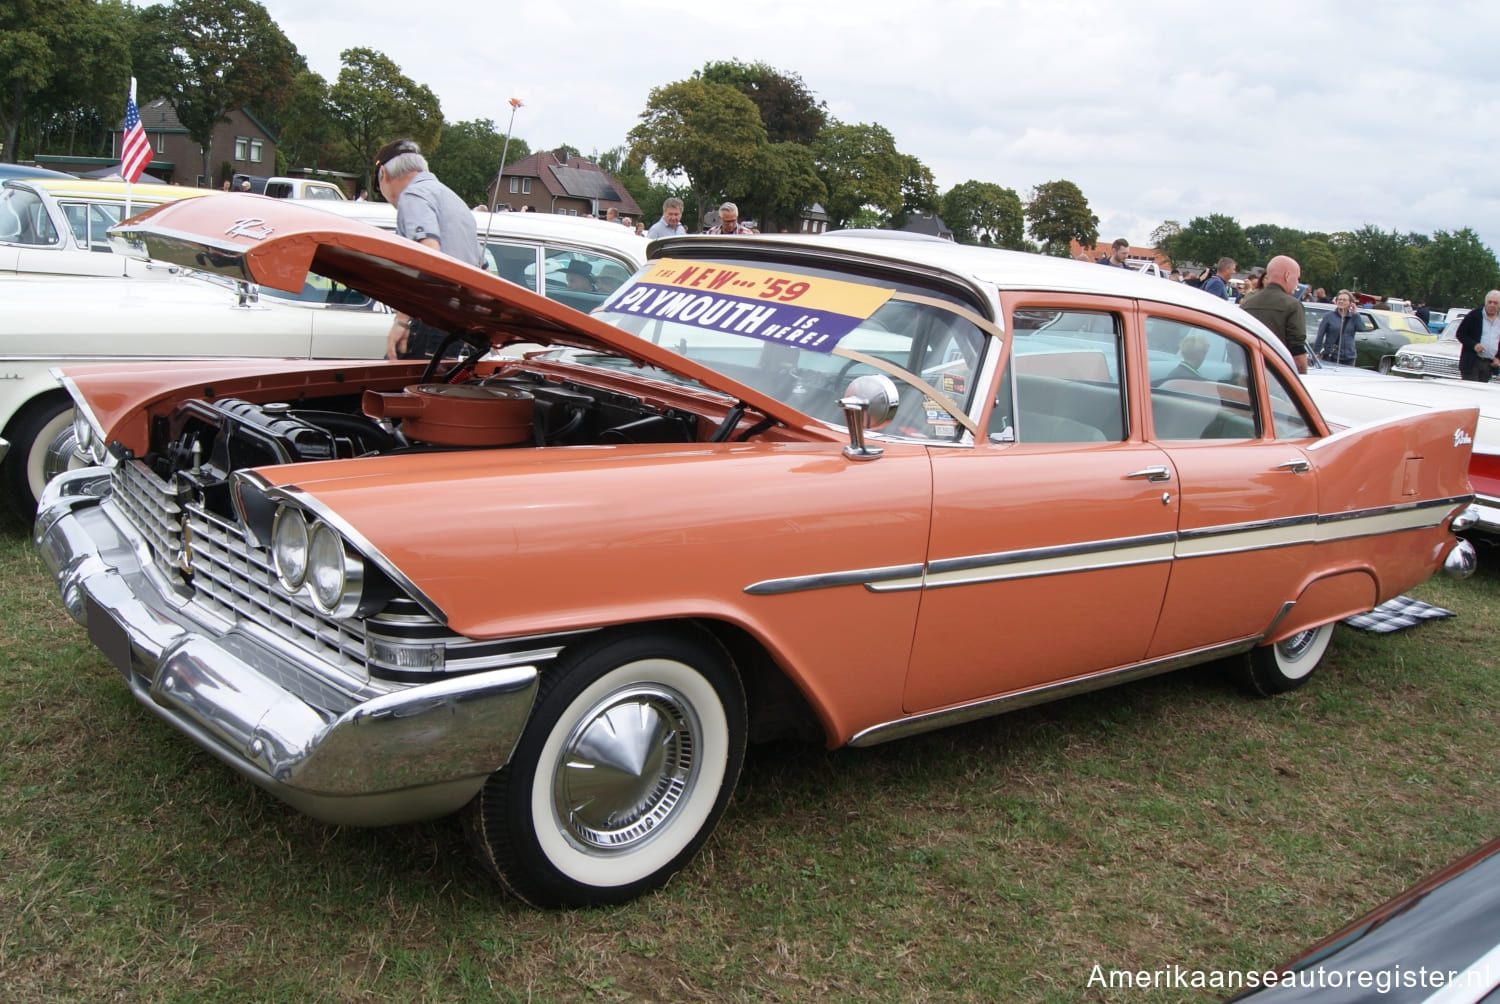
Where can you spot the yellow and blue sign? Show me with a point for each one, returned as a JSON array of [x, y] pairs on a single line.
[[808, 311]]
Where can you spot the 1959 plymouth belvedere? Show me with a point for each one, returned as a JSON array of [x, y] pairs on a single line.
[[837, 486]]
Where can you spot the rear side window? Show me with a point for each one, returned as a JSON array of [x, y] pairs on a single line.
[[1200, 383]]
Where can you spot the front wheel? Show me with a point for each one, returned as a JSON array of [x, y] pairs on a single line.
[[1289, 663], [629, 759], [30, 463]]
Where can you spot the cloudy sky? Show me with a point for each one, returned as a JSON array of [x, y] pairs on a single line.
[[1316, 115]]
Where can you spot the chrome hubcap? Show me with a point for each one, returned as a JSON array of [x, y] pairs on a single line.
[[1296, 646], [625, 768]]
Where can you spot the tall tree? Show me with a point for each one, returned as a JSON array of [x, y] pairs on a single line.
[[1372, 261], [65, 58], [1457, 270], [308, 135], [1320, 266], [919, 192], [1164, 238], [210, 57], [1206, 239], [709, 132], [786, 183], [788, 110], [1057, 214], [374, 102], [468, 158], [861, 168], [982, 212]]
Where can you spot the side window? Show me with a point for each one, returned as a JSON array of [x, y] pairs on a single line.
[[1200, 383], [513, 262], [1288, 419], [1067, 386], [580, 279], [24, 220]]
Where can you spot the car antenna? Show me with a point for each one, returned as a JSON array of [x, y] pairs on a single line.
[[515, 103]]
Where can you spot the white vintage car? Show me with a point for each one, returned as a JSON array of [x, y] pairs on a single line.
[[58, 226], [50, 321], [1350, 396]]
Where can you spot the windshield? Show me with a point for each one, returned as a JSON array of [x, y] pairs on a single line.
[[802, 335]]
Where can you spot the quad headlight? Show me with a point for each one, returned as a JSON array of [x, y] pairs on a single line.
[[86, 441], [289, 540], [314, 555]]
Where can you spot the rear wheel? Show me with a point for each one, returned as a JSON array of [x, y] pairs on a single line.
[[629, 759], [1287, 664], [27, 465]]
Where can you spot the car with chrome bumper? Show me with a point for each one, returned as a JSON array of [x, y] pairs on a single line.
[[775, 488]]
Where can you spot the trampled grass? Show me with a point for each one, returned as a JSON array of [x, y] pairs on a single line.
[[1174, 822]]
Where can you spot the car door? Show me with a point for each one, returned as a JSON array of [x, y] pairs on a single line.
[[1051, 539], [1248, 494]]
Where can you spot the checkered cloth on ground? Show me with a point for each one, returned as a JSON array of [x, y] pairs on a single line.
[[1397, 614]]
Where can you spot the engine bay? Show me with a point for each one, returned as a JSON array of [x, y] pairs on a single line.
[[203, 442]]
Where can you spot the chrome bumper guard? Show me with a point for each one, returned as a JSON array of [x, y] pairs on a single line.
[[394, 755]]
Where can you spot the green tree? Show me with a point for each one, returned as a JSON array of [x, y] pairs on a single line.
[[710, 133], [373, 102], [1372, 261], [468, 158], [1320, 266], [861, 169], [1164, 238], [210, 57], [786, 183], [919, 192], [982, 212], [1206, 239], [788, 110], [308, 135], [1057, 213], [1458, 270], [61, 58]]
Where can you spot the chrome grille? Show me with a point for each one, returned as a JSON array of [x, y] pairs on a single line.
[[232, 581]]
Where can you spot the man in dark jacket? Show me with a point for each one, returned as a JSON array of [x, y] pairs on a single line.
[[1218, 283], [1275, 307], [1479, 340]]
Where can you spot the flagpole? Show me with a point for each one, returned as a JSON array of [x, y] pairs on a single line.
[[515, 103]]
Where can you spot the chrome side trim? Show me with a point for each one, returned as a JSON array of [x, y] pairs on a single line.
[[1125, 552], [801, 583], [928, 721]]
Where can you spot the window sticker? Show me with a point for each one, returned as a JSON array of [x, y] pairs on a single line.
[[808, 311]]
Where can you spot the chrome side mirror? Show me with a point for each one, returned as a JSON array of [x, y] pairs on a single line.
[[869, 402]]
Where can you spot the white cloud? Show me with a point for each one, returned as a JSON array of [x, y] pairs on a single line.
[[1320, 116]]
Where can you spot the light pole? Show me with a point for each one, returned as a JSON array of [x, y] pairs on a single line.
[[515, 103]]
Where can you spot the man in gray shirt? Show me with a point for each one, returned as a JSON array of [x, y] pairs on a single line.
[[430, 213], [670, 224]]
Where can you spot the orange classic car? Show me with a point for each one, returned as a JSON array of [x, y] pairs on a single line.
[[839, 486]]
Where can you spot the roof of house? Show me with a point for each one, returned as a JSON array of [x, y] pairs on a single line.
[[567, 176], [921, 223]]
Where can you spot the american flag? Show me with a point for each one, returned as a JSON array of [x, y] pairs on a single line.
[[135, 150]]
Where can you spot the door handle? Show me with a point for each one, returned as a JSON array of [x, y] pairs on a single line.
[[1152, 474], [1298, 466]]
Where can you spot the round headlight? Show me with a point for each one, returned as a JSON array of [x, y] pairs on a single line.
[[1415, 362], [289, 546], [334, 576]]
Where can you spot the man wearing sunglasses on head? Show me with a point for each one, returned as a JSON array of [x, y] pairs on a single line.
[[430, 213]]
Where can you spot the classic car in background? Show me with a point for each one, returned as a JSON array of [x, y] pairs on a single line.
[[57, 226], [1431, 359], [1436, 319], [46, 323], [1351, 397], [1375, 345], [1438, 941], [775, 487]]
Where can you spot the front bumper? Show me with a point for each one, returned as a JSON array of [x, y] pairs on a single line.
[[394, 754]]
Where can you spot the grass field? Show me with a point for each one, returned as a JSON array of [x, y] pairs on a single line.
[[1171, 822]]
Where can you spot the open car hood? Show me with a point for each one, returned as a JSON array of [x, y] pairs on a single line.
[[276, 243]]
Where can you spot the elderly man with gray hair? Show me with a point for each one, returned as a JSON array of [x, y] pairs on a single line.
[[430, 213], [729, 221]]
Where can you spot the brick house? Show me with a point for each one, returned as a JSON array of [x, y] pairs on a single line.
[[243, 141], [554, 182]]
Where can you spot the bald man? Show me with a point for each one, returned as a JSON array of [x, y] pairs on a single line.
[[1275, 307]]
